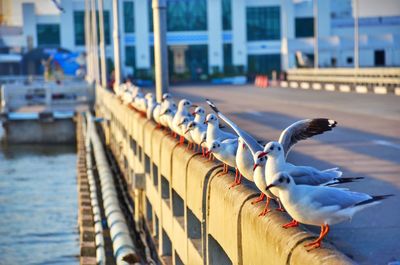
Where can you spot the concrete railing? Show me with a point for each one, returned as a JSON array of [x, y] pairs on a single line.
[[186, 206], [362, 80], [18, 95]]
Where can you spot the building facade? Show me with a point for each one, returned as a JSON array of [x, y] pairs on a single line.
[[226, 37]]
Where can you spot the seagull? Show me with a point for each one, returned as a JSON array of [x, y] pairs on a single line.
[[300, 130], [167, 116], [214, 132], [225, 151], [183, 127], [320, 205], [151, 104], [183, 111], [198, 131], [199, 115]]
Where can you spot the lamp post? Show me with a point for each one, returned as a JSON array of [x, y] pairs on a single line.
[[102, 46], [160, 47], [116, 36]]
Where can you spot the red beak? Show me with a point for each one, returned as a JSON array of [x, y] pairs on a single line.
[[243, 145], [194, 113], [262, 154], [208, 152], [255, 166], [206, 122]]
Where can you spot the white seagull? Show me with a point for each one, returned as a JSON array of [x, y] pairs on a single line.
[[225, 151], [300, 130], [183, 111], [320, 205]]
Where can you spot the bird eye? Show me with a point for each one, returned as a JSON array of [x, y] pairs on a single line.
[[279, 149], [261, 159], [280, 180], [272, 148], [288, 180]]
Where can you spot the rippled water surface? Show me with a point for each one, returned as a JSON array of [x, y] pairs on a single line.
[[38, 205]]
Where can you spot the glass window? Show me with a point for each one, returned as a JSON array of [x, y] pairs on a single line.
[[263, 23], [186, 15], [129, 22], [48, 34], [227, 57], [79, 27], [304, 27], [264, 64], [130, 56], [226, 14]]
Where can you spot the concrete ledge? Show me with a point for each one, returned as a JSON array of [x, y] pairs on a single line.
[[194, 214]]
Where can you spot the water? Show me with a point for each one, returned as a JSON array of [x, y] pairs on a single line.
[[38, 205]]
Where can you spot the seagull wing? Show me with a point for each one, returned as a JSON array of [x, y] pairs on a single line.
[[252, 143], [304, 129], [329, 196]]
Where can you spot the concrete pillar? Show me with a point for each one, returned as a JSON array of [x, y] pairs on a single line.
[[102, 46], [29, 24], [66, 25], [116, 37], [239, 38], [287, 31], [95, 47], [215, 44], [142, 44], [160, 46], [88, 43]]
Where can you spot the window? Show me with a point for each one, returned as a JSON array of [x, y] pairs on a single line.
[[304, 27], [150, 9], [130, 56], [227, 57], [264, 64], [226, 14], [79, 26], [263, 23], [186, 15], [379, 57], [129, 22], [48, 34]]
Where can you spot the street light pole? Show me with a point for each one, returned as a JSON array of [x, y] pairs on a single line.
[[356, 35], [102, 46], [316, 49], [88, 43], [160, 47], [116, 36], [95, 43]]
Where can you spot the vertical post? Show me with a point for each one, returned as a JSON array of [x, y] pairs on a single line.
[[88, 43], [95, 43], [316, 49], [102, 46], [117, 59], [160, 46], [356, 35]]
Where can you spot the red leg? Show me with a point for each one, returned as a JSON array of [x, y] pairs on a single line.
[[292, 223], [266, 208], [238, 179], [280, 208], [317, 242], [181, 139], [259, 199]]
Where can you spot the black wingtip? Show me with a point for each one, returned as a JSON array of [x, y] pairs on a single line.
[[374, 199], [212, 105], [348, 180]]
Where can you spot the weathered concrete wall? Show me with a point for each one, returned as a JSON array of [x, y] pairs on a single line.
[[40, 132], [192, 215]]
